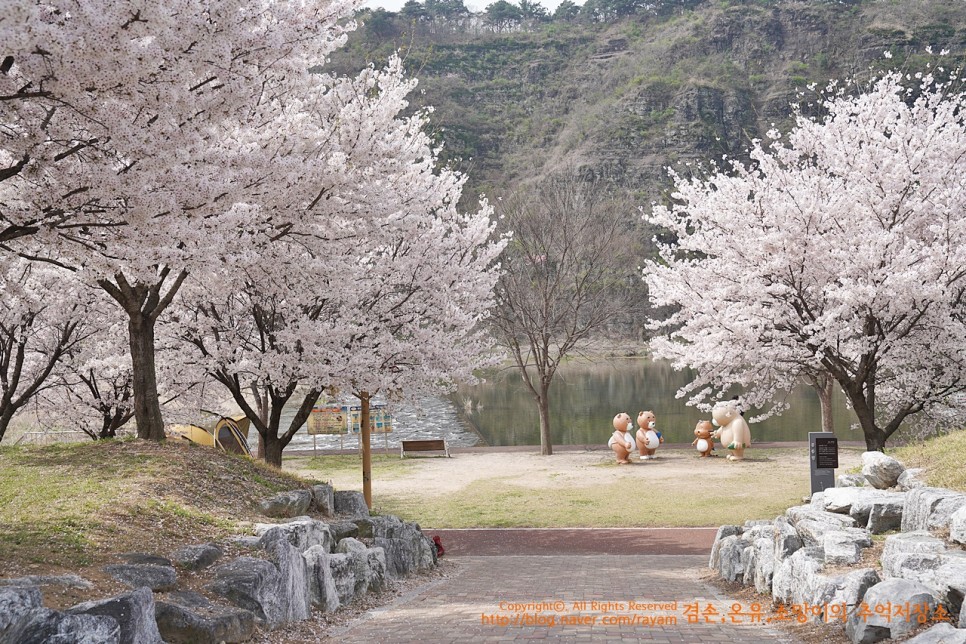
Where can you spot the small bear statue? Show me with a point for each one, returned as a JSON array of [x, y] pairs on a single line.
[[733, 431], [703, 442], [648, 438], [621, 441]]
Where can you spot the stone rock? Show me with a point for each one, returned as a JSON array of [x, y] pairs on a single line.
[[764, 567], [941, 633], [197, 557], [323, 593], [957, 526], [137, 575], [301, 532], [344, 577], [723, 532], [286, 504], [133, 612], [848, 590], [794, 577], [813, 532], [817, 500], [907, 543], [909, 479], [252, 584], [930, 508], [749, 560], [885, 516], [323, 499], [143, 558], [250, 542], [859, 503], [849, 480], [351, 503], [949, 580], [840, 549], [406, 548], [730, 551], [293, 585], [46, 626], [189, 618], [865, 627], [787, 539], [15, 605], [69, 581], [359, 558], [799, 513], [342, 529], [378, 574], [914, 566], [881, 471]]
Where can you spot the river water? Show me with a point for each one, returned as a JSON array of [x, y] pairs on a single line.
[[585, 396]]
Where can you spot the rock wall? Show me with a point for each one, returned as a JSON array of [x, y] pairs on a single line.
[[810, 559]]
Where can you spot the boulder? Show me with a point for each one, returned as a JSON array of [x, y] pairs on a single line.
[[847, 590], [46, 626], [189, 618], [798, 513], [197, 557], [723, 532], [730, 567], [302, 533], [849, 480], [787, 539], [869, 625], [794, 577], [344, 577], [764, 565], [949, 581], [957, 526], [881, 471], [133, 612], [841, 548], [152, 576], [323, 499], [907, 543], [859, 503], [293, 585], [749, 560], [69, 581], [910, 479], [914, 566], [342, 529], [813, 532], [930, 508], [286, 504], [252, 584], [941, 633], [359, 557], [378, 573], [15, 604], [405, 556], [351, 503], [321, 585], [885, 516]]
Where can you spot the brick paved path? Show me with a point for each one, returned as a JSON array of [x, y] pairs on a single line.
[[485, 598]]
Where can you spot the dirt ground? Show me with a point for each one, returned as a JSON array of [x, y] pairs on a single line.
[[440, 476]]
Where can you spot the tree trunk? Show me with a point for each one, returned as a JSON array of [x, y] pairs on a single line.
[[147, 404], [825, 401], [273, 449], [366, 450], [543, 404], [5, 419]]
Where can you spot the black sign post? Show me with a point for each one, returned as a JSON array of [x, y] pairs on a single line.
[[823, 451]]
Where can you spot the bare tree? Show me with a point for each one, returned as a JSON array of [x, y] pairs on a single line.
[[568, 270]]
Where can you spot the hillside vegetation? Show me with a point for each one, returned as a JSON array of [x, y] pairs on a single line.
[[622, 99]]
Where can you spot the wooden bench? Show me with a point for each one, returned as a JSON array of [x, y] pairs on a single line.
[[429, 445]]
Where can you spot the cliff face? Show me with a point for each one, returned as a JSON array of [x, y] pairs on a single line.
[[626, 99]]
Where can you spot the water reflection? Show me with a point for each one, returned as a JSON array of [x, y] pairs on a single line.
[[585, 397]]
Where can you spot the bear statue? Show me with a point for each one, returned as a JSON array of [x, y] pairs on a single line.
[[621, 441], [648, 438], [703, 442], [733, 431]]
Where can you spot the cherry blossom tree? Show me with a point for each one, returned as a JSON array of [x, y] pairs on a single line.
[[38, 330], [381, 290], [568, 272], [838, 251], [140, 139]]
